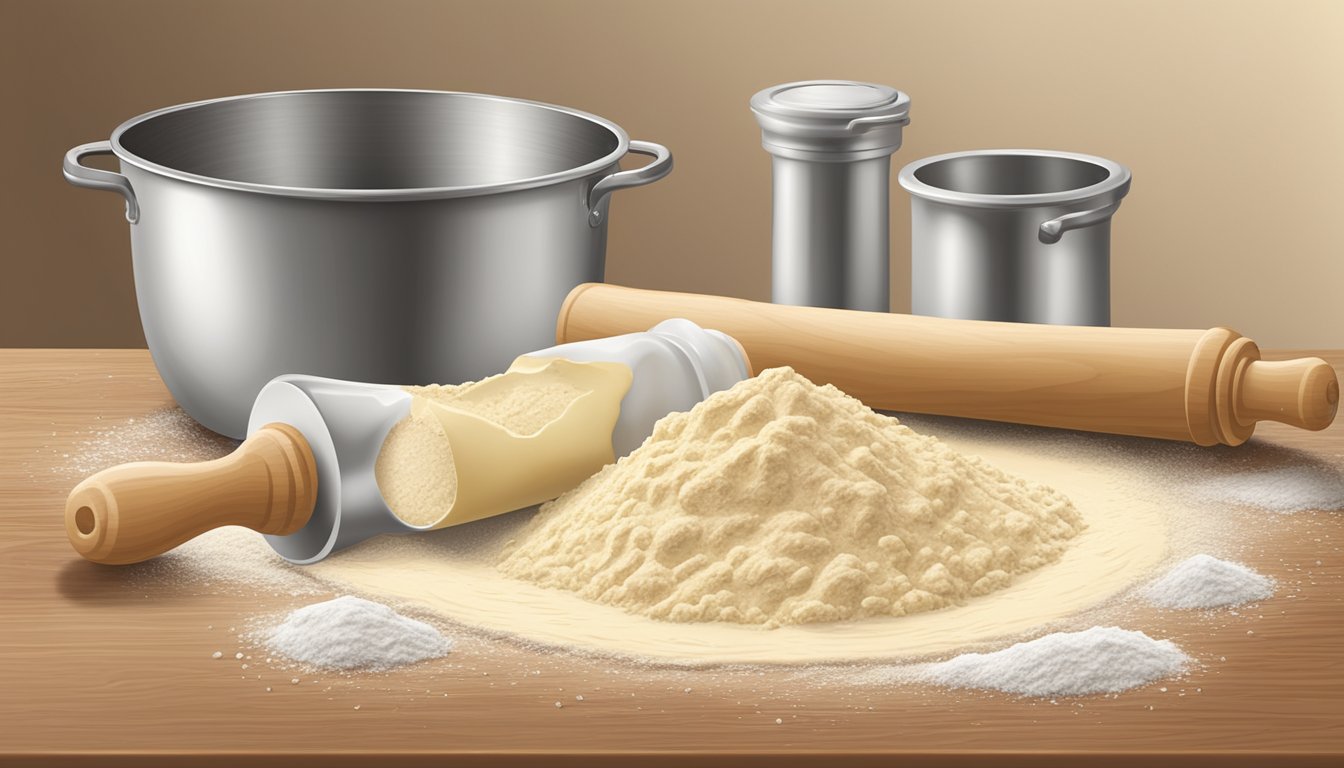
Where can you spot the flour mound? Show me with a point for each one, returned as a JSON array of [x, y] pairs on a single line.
[[1204, 581], [1097, 660], [351, 633], [781, 502]]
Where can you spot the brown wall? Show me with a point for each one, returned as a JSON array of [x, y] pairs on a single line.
[[1229, 113]]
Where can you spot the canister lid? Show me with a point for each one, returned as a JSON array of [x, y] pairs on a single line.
[[831, 120]]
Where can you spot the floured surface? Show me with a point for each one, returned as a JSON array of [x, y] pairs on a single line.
[[231, 555], [164, 434], [451, 573], [121, 655], [1281, 489]]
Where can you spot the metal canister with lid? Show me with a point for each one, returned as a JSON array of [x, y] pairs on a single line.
[[831, 142]]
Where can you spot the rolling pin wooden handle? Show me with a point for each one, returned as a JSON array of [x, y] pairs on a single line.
[[1204, 386], [134, 512], [1302, 392]]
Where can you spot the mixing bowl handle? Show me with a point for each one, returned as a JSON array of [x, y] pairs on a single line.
[[1054, 229], [83, 176], [660, 167]]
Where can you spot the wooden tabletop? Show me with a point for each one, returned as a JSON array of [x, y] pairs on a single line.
[[102, 667]]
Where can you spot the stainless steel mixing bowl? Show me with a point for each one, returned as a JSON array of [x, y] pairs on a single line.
[[375, 235]]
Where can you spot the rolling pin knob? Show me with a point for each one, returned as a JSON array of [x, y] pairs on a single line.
[[1302, 392], [132, 512]]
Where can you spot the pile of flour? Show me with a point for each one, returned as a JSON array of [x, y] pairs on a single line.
[[352, 633], [781, 502], [1204, 581], [415, 468], [1097, 660]]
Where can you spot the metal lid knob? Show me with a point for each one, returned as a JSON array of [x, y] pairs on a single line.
[[831, 120]]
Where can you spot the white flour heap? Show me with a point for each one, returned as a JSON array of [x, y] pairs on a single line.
[[1097, 660], [1204, 581], [1286, 489], [352, 633], [781, 502]]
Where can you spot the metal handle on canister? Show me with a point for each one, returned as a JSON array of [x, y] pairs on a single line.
[[93, 178], [1050, 231], [660, 167], [862, 124]]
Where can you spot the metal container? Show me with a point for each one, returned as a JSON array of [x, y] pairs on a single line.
[[376, 235], [1019, 235], [831, 142]]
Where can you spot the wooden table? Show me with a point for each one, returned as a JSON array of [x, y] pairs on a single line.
[[97, 667]]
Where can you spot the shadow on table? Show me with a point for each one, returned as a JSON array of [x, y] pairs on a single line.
[[163, 579]]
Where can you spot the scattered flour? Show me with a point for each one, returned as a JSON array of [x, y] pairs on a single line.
[[415, 468], [167, 434], [781, 502], [1097, 660], [352, 633], [1285, 489], [1204, 581], [233, 555]]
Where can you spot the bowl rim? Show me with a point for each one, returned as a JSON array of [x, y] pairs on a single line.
[[1116, 183], [397, 194]]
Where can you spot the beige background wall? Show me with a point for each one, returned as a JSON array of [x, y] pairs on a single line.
[[1230, 114]]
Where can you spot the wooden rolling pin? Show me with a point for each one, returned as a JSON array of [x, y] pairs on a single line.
[[1207, 387], [133, 512]]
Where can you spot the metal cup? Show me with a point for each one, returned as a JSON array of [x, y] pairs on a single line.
[[1020, 235]]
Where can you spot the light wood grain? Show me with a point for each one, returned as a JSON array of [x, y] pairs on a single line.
[[1207, 387], [113, 665]]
